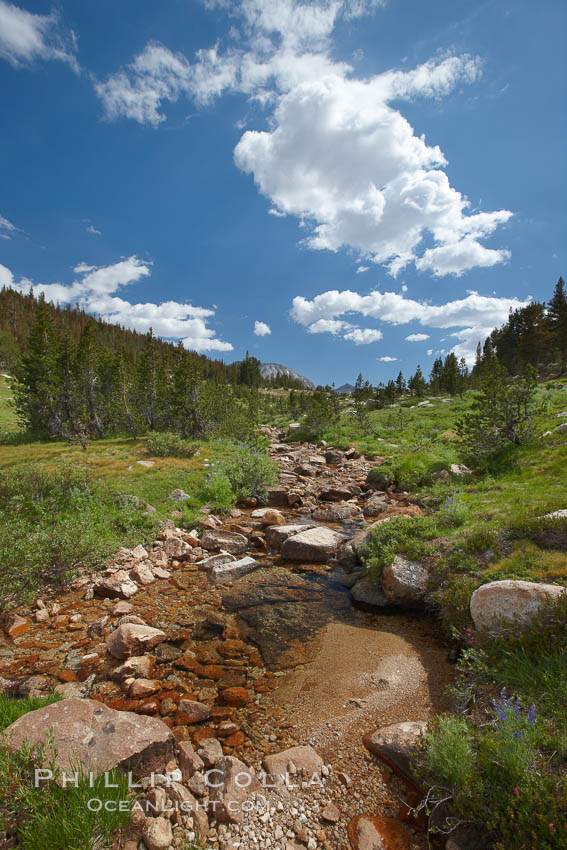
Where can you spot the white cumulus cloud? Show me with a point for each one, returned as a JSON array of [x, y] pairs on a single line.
[[25, 37], [386, 359], [262, 329], [95, 291], [475, 316], [417, 337], [362, 336]]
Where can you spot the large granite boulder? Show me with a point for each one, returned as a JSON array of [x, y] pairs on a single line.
[[315, 544], [133, 639], [404, 582], [368, 595], [275, 535], [501, 604], [229, 541], [86, 732], [336, 513]]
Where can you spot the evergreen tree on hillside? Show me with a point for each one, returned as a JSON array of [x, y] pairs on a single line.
[[249, 372], [557, 321], [417, 384], [36, 385], [400, 383]]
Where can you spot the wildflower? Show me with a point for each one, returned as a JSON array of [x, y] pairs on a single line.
[[517, 735], [552, 827], [531, 715], [516, 792]]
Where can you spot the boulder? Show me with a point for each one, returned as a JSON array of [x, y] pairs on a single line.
[[158, 834], [396, 746], [334, 457], [179, 495], [119, 585], [210, 751], [336, 513], [133, 639], [335, 494], [268, 516], [143, 573], [139, 666], [89, 733], [189, 761], [315, 544], [303, 758], [379, 478], [346, 556], [233, 570], [376, 505], [501, 604], [561, 429], [231, 784], [459, 469], [275, 535], [190, 711], [231, 541], [560, 514], [277, 496], [404, 582], [215, 561], [366, 593]]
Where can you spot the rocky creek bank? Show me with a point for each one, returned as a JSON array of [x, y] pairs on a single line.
[[235, 650]]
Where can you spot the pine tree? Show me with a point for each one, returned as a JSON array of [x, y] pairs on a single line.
[[36, 385], [557, 321]]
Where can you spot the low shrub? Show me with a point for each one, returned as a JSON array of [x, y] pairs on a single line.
[[218, 492], [402, 535], [168, 444], [249, 472]]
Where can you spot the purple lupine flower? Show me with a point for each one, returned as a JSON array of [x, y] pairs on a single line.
[[531, 715]]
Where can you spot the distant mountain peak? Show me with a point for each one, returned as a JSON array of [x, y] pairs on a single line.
[[275, 370], [344, 388]]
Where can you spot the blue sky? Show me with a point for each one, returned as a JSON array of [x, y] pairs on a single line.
[[339, 185]]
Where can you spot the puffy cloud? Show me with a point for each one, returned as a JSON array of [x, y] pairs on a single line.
[[25, 37], [476, 315], [262, 329], [337, 153], [94, 291], [92, 229], [362, 336], [362, 269], [386, 359]]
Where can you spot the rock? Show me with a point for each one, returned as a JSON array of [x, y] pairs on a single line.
[[331, 813], [350, 579], [122, 608], [143, 574], [190, 711], [396, 745], [157, 833], [376, 505], [179, 495], [405, 582], [42, 615], [303, 758], [371, 833], [189, 761], [14, 625], [215, 561], [231, 541], [233, 781], [268, 516], [277, 496], [132, 639], [561, 514], [346, 556], [118, 585], [141, 688], [232, 570], [89, 733], [210, 751], [139, 553], [459, 469], [275, 535], [335, 494], [366, 593], [504, 603], [561, 429], [336, 513], [334, 457], [315, 544], [236, 697], [137, 666], [379, 479]]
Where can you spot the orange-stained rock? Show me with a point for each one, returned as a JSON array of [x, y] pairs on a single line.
[[67, 676], [191, 711], [202, 734], [17, 626], [235, 740], [234, 696], [148, 706], [366, 832]]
